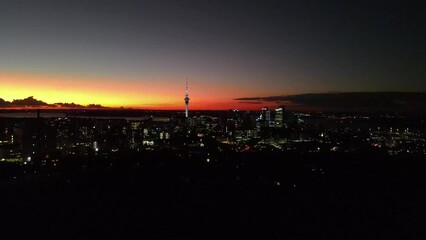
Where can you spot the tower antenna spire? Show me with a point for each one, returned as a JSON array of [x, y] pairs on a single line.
[[186, 99]]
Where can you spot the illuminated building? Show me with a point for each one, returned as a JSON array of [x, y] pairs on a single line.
[[279, 116], [265, 117], [135, 130], [38, 141]]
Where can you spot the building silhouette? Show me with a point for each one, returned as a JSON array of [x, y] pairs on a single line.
[[279, 116], [265, 117], [186, 100]]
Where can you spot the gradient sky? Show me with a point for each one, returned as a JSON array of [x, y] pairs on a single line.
[[139, 53]]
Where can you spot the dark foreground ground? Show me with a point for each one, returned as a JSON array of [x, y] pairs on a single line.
[[244, 196]]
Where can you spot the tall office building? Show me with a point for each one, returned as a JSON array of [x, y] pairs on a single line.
[[279, 116], [265, 117], [38, 141], [186, 100]]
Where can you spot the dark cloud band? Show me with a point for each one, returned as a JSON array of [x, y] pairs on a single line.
[[31, 102], [351, 101]]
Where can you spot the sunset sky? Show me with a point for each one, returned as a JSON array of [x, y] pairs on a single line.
[[139, 53]]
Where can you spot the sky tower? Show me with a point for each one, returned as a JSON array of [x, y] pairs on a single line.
[[186, 100]]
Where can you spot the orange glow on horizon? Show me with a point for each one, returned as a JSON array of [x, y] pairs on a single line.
[[161, 94]]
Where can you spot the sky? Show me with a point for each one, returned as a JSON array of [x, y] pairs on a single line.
[[140, 53]]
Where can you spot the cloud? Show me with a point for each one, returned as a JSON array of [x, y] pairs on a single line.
[[351, 101], [249, 102], [28, 102], [31, 102], [95, 106], [3, 103], [68, 105]]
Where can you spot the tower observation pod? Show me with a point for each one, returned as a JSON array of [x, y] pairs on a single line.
[[186, 100]]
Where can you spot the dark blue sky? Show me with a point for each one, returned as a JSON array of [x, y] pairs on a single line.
[[245, 48]]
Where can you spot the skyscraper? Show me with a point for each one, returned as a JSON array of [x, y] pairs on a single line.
[[186, 100], [279, 116], [265, 117]]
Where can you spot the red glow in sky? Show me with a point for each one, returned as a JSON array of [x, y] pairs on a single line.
[[164, 94]]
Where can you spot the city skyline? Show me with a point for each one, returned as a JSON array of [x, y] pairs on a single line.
[[212, 119], [136, 54]]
